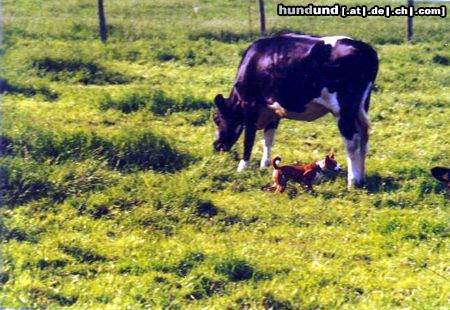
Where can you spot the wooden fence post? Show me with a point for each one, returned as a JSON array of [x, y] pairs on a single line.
[[410, 21], [263, 17], [102, 21]]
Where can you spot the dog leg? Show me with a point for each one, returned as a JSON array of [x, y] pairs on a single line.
[[281, 183], [269, 188]]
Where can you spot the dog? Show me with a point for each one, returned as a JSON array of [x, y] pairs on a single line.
[[442, 174], [303, 174]]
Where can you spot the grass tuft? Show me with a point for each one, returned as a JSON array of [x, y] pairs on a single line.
[[235, 269], [271, 302]]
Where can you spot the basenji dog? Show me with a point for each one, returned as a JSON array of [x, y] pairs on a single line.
[[442, 174], [303, 174]]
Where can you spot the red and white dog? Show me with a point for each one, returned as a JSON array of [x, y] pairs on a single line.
[[303, 174]]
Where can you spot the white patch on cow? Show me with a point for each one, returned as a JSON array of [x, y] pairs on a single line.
[[333, 39], [278, 109], [295, 35], [313, 111], [242, 165], [267, 143], [329, 101]]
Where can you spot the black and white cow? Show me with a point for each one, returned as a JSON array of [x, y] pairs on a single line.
[[300, 77]]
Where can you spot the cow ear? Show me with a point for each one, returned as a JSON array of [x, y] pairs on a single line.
[[220, 102]]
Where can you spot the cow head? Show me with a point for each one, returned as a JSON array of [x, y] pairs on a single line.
[[229, 124]]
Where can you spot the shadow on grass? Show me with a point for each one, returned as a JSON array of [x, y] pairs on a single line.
[[87, 72], [376, 183], [127, 151], [225, 36], [8, 87], [158, 102]]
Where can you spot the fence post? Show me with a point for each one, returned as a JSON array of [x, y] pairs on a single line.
[[410, 21], [102, 21], [263, 17], [250, 19]]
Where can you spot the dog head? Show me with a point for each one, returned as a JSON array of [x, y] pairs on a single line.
[[330, 163], [442, 174]]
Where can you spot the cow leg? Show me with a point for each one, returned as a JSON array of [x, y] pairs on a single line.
[[249, 140], [267, 142], [356, 148], [354, 130]]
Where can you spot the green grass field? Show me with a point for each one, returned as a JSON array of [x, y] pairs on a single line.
[[113, 198]]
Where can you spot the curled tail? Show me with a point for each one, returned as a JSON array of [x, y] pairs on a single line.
[[275, 161]]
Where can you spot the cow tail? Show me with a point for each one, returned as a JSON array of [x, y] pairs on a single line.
[[364, 106], [275, 161]]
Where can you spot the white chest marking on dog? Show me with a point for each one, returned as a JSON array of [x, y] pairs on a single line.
[[329, 101], [337, 168], [333, 39], [321, 163]]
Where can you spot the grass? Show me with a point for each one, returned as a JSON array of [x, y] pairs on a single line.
[[113, 198]]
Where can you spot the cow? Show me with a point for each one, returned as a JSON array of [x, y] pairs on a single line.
[[300, 77]]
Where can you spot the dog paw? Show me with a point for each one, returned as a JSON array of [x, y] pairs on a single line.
[[242, 165]]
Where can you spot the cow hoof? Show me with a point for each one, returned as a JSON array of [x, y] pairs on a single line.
[[242, 165], [265, 163], [359, 184], [355, 183]]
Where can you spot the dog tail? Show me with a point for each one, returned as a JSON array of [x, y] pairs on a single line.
[[275, 161]]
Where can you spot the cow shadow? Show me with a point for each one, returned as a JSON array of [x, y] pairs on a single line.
[[376, 183]]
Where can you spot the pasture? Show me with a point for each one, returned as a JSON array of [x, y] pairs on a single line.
[[112, 196]]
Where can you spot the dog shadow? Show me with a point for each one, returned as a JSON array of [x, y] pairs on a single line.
[[292, 190]]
